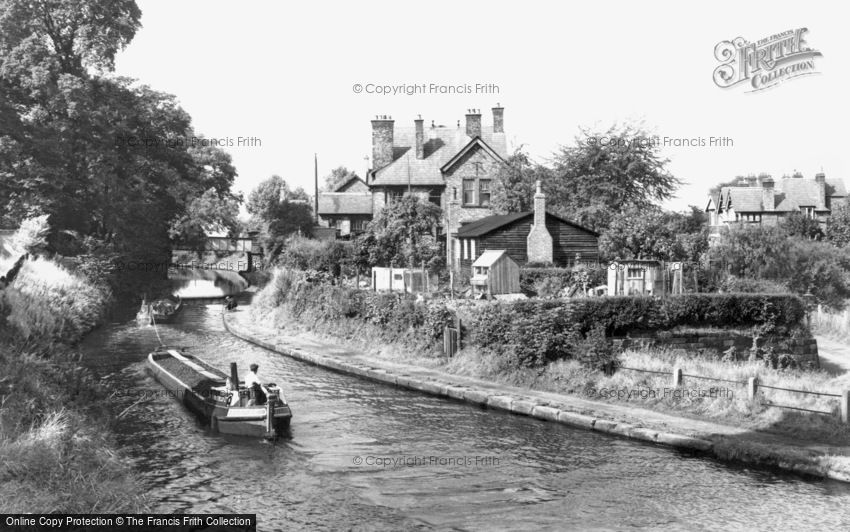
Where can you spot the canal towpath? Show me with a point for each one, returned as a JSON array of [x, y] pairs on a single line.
[[711, 438]]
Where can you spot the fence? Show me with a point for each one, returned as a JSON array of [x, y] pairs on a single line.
[[753, 386]]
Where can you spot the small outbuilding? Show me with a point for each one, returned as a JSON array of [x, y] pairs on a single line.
[[644, 277], [409, 280], [494, 273]]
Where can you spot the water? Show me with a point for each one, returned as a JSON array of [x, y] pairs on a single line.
[[327, 476]]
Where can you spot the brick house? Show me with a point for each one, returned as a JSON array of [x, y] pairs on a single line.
[[537, 236], [453, 167], [761, 200], [348, 208]]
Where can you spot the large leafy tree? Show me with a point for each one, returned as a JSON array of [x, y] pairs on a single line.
[[606, 172], [278, 213], [514, 186], [652, 233], [112, 163], [403, 234]]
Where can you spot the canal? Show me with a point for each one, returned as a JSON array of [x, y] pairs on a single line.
[[365, 455]]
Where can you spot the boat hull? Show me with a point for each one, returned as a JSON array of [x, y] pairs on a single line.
[[235, 420]]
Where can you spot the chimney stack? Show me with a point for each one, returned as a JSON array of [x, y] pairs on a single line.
[[420, 137], [820, 179], [498, 119], [473, 123], [767, 192], [539, 241], [382, 141]]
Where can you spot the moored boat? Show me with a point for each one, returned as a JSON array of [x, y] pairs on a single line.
[[165, 310], [204, 390]]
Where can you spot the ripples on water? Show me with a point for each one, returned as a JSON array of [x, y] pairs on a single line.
[[531, 474]]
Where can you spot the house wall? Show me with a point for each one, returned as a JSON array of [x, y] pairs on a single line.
[[477, 165]]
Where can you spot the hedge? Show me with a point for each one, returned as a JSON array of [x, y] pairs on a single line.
[[530, 332], [539, 331]]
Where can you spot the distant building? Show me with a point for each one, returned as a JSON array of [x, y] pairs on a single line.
[[538, 236], [348, 208], [644, 277], [453, 167], [761, 200]]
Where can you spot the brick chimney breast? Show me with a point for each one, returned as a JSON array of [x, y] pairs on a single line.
[[420, 137], [473, 123], [498, 119], [382, 141], [539, 241], [820, 179], [767, 193]]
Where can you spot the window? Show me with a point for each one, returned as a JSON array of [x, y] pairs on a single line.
[[808, 212], [634, 273], [752, 218], [484, 192], [468, 191]]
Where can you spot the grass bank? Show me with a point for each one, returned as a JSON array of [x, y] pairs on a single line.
[[56, 452], [715, 401]]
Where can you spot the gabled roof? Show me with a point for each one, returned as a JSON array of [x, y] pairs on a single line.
[[468, 148], [345, 203], [442, 145], [790, 194], [489, 224], [489, 257], [348, 183]]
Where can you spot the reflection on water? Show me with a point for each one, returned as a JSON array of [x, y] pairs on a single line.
[[191, 283], [368, 456]]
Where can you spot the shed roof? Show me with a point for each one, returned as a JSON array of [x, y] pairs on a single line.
[[345, 203], [491, 223], [490, 257]]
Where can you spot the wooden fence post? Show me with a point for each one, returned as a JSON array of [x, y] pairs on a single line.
[[677, 376], [752, 387], [845, 406], [458, 326]]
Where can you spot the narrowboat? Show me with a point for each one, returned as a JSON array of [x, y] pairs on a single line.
[[165, 310], [225, 403]]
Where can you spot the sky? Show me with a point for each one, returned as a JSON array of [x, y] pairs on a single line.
[[283, 75]]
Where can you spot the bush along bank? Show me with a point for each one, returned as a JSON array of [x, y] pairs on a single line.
[[562, 346], [56, 453]]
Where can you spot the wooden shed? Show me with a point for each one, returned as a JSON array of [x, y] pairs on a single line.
[[644, 277], [493, 273], [401, 280]]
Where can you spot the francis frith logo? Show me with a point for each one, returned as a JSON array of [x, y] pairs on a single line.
[[765, 63]]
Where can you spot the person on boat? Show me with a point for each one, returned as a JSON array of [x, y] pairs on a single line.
[[234, 393], [252, 382], [230, 303]]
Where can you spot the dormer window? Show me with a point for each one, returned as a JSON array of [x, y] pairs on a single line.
[[808, 212]]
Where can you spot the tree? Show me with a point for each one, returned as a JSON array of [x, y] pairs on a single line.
[[337, 177], [797, 224], [206, 212], [110, 162], [403, 234], [275, 214], [652, 233], [838, 225], [514, 186], [606, 172]]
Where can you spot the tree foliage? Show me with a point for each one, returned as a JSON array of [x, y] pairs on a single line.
[[337, 177], [277, 214], [838, 225], [797, 224], [514, 186], [606, 172], [403, 234], [652, 233], [114, 164]]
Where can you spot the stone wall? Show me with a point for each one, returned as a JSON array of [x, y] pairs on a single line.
[[804, 350]]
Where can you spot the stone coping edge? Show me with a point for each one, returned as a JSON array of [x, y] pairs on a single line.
[[523, 406]]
